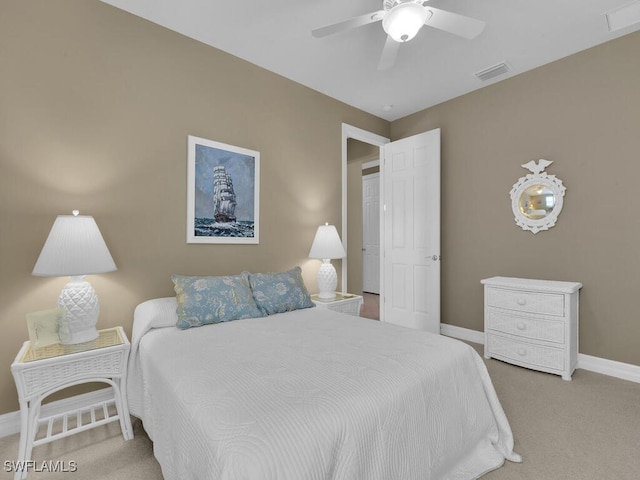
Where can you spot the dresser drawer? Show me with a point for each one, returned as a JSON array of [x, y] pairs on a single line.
[[523, 301], [525, 354], [537, 328]]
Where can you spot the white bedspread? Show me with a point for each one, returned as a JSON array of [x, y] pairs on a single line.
[[315, 394]]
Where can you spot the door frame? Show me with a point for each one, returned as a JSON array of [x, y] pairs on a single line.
[[349, 131]]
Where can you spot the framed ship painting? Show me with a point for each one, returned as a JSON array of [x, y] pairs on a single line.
[[222, 193]]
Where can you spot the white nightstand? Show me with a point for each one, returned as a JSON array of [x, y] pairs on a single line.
[[343, 302], [40, 372]]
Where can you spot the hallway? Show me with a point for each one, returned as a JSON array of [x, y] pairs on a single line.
[[370, 306]]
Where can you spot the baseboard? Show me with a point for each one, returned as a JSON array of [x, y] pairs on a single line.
[[460, 333], [624, 371], [10, 422], [612, 368]]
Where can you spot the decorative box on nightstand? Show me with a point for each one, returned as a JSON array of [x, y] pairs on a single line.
[[532, 323], [39, 372], [343, 302]]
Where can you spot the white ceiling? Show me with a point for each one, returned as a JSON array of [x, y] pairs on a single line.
[[434, 67]]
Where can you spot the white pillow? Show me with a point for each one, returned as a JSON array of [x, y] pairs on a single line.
[[155, 313]]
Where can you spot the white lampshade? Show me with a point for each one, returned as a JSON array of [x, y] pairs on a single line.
[[403, 21], [327, 245], [75, 248]]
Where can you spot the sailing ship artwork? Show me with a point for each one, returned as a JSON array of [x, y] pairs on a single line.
[[224, 198], [222, 193]]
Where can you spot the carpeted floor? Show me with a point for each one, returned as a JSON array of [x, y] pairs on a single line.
[[586, 429]]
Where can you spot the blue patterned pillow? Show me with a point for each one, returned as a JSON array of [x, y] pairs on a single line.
[[206, 300], [280, 292]]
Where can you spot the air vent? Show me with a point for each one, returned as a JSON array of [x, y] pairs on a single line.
[[493, 71], [623, 17]]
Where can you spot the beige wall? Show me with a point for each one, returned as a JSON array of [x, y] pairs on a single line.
[[95, 108], [582, 112]]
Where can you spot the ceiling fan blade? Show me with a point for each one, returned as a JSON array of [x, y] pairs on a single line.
[[455, 23], [389, 54], [354, 22]]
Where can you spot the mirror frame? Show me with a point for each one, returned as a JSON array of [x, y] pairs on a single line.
[[537, 177]]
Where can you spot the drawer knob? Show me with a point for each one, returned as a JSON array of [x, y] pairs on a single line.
[[521, 326], [522, 301], [522, 352]]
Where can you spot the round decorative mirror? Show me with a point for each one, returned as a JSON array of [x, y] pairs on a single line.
[[536, 199]]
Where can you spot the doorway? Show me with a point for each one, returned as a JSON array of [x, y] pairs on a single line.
[[360, 153]]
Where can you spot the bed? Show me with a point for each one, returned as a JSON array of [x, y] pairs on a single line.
[[312, 394]]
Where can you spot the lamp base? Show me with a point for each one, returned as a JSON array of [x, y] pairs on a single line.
[[81, 310], [327, 280], [80, 337]]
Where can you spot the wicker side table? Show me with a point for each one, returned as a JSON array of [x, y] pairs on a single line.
[[40, 372], [343, 302]]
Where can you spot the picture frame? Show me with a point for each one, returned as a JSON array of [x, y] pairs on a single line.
[[43, 327], [223, 193]]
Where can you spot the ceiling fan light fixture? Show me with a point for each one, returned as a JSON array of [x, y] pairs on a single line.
[[403, 21]]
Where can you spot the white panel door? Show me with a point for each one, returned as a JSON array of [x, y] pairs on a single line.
[[411, 229], [371, 233]]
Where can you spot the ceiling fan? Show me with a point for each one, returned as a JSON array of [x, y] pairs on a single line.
[[401, 20]]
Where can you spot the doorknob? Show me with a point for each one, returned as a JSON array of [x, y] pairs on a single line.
[[435, 258]]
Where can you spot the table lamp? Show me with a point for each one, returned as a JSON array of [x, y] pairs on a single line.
[[75, 248], [327, 245]]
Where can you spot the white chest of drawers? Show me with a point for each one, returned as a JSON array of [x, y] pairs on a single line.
[[532, 323]]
